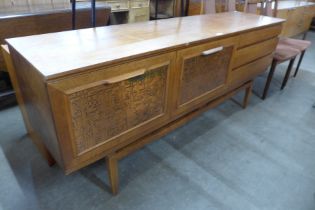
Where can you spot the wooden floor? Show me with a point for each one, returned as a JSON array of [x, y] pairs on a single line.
[[261, 158]]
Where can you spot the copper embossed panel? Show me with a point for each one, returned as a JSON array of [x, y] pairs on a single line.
[[105, 111], [202, 74]]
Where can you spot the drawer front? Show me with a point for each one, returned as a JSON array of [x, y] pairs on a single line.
[[259, 35], [118, 5], [250, 70], [203, 72], [110, 106], [139, 4], [102, 112], [253, 52]]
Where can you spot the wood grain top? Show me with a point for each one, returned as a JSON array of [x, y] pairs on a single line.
[[59, 54]]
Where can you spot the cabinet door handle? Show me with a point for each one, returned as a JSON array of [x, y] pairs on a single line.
[[107, 81], [123, 77], [212, 51]]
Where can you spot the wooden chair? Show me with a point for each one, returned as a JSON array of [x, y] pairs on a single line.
[[209, 6], [284, 51], [297, 44]]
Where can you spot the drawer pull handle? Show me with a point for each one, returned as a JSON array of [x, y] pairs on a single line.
[[212, 51], [123, 77], [107, 81]]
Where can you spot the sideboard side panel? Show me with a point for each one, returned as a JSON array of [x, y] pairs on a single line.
[[34, 92]]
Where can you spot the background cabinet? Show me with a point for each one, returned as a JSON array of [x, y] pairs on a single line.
[[9, 7], [138, 14], [133, 10], [139, 11]]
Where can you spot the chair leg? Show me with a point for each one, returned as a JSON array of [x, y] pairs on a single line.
[[187, 7], [270, 75], [287, 74], [304, 35], [299, 63]]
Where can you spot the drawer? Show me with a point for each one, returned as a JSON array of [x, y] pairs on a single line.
[[259, 35], [250, 70], [253, 52], [139, 4], [202, 72], [118, 5], [111, 106]]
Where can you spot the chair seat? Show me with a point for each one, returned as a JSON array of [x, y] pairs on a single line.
[[298, 44], [284, 53]]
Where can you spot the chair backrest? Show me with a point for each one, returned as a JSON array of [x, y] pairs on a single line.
[[230, 4], [209, 6], [251, 6], [267, 7]]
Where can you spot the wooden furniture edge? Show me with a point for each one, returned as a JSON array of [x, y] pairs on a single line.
[[36, 140], [119, 61]]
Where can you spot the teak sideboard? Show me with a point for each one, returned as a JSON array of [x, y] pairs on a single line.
[[107, 91]]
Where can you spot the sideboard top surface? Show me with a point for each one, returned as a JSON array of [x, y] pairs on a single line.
[[63, 53]]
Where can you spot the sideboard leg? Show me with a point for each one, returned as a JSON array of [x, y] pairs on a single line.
[[248, 92], [42, 149], [49, 158], [112, 170]]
